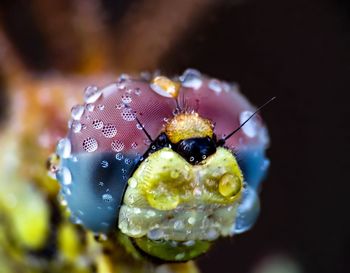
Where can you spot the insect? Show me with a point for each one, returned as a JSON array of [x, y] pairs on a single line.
[[170, 165]]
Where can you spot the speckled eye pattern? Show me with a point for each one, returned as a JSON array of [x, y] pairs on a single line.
[[114, 178]]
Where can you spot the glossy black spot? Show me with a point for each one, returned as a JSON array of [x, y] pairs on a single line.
[[194, 150]]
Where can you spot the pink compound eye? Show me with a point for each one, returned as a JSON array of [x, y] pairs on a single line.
[[106, 141]]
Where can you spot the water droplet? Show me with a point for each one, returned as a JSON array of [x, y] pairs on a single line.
[[123, 77], [174, 174], [100, 107], [101, 183], [165, 86], [117, 145], [77, 111], [63, 148], [128, 114], [119, 156], [135, 230], [104, 224], [121, 85], [76, 126], [212, 235], [155, 234], [191, 78], [226, 87], [191, 158], [109, 89], [138, 91], [145, 75], [265, 165], [147, 142], [120, 106], [179, 256], [191, 220], [100, 237], [97, 124], [179, 225], [138, 126], [173, 243], [92, 94], [104, 164], [132, 182], [107, 197], [90, 107], [215, 85], [127, 161], [197, 192], [76, 220], [134, 145], [189, 243], [126, 98], [67, 191], [109, 130], [64, 176], [137, 210], [150, 213], [251, 127], [63, 202], [90, 144]]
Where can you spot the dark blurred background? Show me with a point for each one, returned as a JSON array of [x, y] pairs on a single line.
[[297, 50]]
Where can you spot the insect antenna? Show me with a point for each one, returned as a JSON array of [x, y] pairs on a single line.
[[223, 140], [144, 130], [178, 104]]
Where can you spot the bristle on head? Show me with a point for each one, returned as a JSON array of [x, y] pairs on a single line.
[[188, 125]]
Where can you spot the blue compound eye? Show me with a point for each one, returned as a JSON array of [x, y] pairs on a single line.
[[165, 173], [93, 186]]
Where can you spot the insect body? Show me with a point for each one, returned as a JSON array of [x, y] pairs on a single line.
[[155, 161]]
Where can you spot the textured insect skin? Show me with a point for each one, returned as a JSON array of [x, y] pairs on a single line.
[[174, 194]]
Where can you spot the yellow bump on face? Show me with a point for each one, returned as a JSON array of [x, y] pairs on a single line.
[[188, 125], [161, 177], [166, 199], [230, 185], [165, 87], [167, 196]]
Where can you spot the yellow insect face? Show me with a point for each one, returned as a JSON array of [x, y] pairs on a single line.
[[170, 199]]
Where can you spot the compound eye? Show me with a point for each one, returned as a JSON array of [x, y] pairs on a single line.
[[194, 150]]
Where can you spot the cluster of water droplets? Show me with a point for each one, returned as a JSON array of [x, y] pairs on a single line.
[[63, 174], [115, 164], [248, 209]]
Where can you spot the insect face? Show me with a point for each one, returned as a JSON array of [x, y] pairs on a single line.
[[140, 162]]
